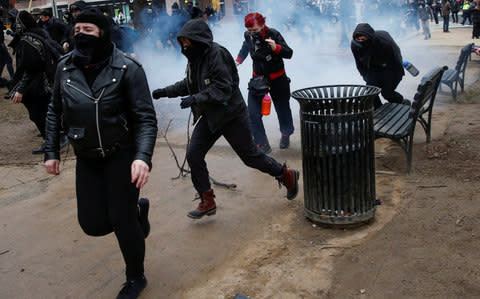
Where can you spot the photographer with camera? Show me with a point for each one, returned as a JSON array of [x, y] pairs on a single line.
[[267, 49]]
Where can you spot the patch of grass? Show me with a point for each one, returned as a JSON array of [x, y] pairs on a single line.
[[470, 94]]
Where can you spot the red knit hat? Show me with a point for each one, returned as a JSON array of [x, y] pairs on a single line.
[[254, 18]]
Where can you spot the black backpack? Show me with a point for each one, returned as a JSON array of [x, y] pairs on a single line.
[[49, 50]]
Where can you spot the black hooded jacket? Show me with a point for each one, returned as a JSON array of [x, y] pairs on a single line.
[[212, 79], [31, 64], [379, 53]]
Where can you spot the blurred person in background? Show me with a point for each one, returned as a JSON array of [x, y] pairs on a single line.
[[424, 12], [455, 10], [475, 12], [445, 10], [5, 59], [55, 27], [466, 12]]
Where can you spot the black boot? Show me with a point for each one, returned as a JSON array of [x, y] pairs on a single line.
[[132, 288], [143, 205], [39, 150], [63, 141], [284, 141]]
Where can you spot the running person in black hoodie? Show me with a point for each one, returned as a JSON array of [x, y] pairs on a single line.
[[379, 61], [267, 49], [211, 90]]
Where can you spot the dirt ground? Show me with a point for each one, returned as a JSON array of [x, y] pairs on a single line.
[[423, 241]]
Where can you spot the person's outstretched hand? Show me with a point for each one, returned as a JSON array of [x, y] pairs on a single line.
[[159, 93]]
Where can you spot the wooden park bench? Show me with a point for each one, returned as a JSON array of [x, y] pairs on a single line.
[[456, 76], [397, 121]]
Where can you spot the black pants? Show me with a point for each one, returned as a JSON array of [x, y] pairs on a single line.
[[455, 16], [107, 202], [476, 30], [238, 134], [5, 59], [37, 110], [280, 93], [388, 82]]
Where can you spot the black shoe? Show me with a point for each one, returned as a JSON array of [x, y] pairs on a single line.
[[63, 141], [132, 288], [264, 147], [407, 102], [143, 205], [284, 141], [39, 150]]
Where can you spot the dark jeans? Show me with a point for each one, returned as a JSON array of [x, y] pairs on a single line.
[[446, 20], [37, 110], [107, 202], [465, 17], [238, 134], [388, 82], [280, 93]]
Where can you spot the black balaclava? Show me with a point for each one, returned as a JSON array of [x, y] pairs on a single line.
[[88, 49], [24, 21], [194, 51]]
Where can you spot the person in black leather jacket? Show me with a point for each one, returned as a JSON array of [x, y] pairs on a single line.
[[267, 49], [379, 61], [30, 80], [211, 90], [102, 100]]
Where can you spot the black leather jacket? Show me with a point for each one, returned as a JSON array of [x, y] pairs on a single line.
[[115, 112], [265, 61]]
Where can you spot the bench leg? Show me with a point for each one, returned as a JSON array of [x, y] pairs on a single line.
[[454, 91], [409, 154]]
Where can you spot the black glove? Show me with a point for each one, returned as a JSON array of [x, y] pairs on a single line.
[[159, 93], [187, 102]]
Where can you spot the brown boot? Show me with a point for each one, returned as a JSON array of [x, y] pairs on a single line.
[[205, 207], [289, 178]]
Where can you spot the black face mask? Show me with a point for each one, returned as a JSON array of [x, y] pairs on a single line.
[[88, 49], [256, 35], [192, 53]]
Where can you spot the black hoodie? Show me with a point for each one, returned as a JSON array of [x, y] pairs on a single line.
[[212, 80], [379, 53]]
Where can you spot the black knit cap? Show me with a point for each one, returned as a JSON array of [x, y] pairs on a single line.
[[46, 13], [80, 5], [26, 19], [95, 16]]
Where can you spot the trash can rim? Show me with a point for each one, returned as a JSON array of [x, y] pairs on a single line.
[[377, 91]]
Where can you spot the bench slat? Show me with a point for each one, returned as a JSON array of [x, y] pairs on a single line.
[[392, 109], [396, 121]]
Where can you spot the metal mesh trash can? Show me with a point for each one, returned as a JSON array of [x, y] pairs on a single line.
[[338, 152]]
